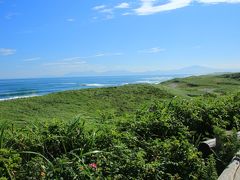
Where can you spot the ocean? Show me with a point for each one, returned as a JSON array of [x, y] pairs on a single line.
[[23, 88]]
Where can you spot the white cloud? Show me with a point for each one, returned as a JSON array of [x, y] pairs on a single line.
[[102, 55], [126, 14], [218, 1], [31, 59], [109, 10], [78, 61], [148, 6], [7, 52], [72, 58], [123, 5], [65, 64], [99, 7], [71, 20], [152, 50], [94, 18], [109, 16], [70, 61]]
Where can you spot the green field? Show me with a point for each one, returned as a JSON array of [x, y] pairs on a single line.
[[89, 104], [123, 100], [208, 84], [129, 132]]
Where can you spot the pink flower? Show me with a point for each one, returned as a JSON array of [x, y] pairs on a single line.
[[93, 165]]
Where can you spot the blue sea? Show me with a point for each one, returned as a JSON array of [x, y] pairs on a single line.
[[23, 88]]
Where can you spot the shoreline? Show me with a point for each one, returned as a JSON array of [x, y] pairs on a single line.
[[20, 97], [84, 86], [51, 87]]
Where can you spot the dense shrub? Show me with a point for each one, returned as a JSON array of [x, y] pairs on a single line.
[[160, 142]]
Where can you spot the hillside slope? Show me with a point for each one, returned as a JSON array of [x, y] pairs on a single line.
[[207, 84], [128, 132], [118, 101]]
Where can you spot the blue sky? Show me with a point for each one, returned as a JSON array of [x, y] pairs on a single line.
[[43, 38]]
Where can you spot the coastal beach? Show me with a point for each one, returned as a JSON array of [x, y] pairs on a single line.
[[23, 88]]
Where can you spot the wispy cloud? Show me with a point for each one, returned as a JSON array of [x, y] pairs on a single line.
[[11, 15], [109, 16], [126, 14], [61, 63], [148, 7], [109, 11], [78, 60], [218, 1], [152, 50], [123, 5], [71, 20], [7, 51], [71, 61], [102, 55], [196, 47], [31, 59], [96, 8]]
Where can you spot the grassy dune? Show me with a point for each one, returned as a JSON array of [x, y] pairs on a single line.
[[94, 103], [208, 84], [89, 103]]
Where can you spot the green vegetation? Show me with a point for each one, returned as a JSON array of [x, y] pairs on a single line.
[[90, 103], [128, 132], [208, 84]]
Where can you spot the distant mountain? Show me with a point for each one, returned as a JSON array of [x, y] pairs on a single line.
[[107, 73], [195, 70], [191, 70]]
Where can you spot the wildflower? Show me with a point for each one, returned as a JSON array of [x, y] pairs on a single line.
[[93, 165], [42, 174]]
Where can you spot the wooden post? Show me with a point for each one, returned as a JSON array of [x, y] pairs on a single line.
[[232, 172], [206, 146]]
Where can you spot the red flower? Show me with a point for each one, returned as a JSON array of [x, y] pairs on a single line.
[[93, 165]]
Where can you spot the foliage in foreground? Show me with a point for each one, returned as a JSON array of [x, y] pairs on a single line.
[[159, 143]]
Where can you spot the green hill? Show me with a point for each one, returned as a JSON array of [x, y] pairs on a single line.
[[208, 84], [93, 103], [128, 132], [89, 103]]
